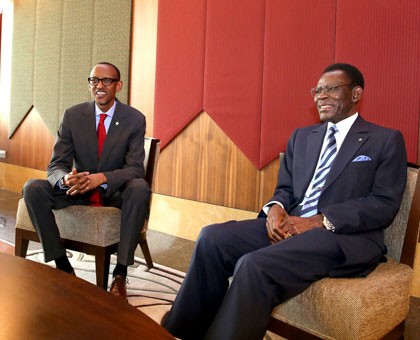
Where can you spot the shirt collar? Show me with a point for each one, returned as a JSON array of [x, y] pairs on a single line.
[[343, 126], [110, 112]]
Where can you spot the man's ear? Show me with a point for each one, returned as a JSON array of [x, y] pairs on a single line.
[[119, 86], [357, 94]]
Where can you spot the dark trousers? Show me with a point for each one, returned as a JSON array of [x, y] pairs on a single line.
[[133, 200], [264, 276]]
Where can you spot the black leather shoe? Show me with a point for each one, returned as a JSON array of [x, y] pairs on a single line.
[[119, 287]]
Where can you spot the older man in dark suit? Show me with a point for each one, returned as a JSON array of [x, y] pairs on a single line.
[[339, 185], [98, 160]]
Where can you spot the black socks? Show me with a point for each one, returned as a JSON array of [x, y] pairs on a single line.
[[63, 264], [120, 269]]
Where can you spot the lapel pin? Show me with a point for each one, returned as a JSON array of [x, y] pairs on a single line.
[[117, 123], [360, 139]]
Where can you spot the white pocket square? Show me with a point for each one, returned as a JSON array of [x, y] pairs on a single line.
[[362, 158]]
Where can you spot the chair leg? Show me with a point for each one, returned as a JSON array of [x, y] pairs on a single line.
[[102, 261], [21, 245], [145, 249]]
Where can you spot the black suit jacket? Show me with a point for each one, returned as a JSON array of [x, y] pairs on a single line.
[[359, 198], [77, 146]]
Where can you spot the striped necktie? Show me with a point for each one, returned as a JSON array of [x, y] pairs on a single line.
[[310, 203]]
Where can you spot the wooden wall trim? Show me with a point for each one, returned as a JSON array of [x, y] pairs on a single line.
[[203, 164], [31, 144]]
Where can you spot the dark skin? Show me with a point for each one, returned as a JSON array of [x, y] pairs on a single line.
[[333, 107], [104, 96]]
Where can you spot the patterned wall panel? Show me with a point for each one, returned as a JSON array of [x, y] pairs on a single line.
[[262, 57], [22, 83], [77, 43], [233, 65], [179, 65], [112, 36], [296, 50], [386, 48], [55, 45], [47, 67]]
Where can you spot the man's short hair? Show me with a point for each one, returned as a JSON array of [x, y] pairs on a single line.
[[116, 68], [351, 71]]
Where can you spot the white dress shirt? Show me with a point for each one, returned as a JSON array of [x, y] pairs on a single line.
[[343, 128]]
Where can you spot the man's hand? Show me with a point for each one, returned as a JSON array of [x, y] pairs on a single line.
[[94, 181], [82, 182], [275, 218], [76, 182], [297, 225]]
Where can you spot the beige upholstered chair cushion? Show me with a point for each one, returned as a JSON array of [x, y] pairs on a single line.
[[94, 225], [355, 308]]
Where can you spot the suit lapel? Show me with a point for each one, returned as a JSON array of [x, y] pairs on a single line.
[[115, 129], [356, 137], [313, 149], [90, 132]]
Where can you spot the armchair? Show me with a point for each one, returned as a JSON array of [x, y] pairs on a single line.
[[373, 307], [89, 229]]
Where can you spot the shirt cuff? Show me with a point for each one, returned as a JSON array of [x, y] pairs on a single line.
[[269, 205], [61, 186]]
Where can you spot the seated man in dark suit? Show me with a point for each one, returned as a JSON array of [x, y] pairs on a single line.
[[104, 139], [339, 185]]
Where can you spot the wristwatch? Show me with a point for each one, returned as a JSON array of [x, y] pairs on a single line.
[[327, 224]]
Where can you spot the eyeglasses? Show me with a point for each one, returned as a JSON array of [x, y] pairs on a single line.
[[316, 91], [105, 81]]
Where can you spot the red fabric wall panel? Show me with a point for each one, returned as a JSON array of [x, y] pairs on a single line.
[[233, 70], [250, 65], [299, 44], [179, 65], [382, 39]]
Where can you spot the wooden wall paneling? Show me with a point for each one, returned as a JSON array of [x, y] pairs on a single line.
[[268, 181], [5, 142], [31, 144], [203, 164], [143, 59], [14, 177]]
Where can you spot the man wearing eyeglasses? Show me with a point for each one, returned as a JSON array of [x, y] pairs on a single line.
[[105, 140], [339, 185]]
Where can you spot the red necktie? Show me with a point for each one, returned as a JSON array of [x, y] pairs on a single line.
[[96, 199]]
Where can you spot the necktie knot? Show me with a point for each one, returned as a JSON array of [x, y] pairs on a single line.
[[333, 130], [102, 117]]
